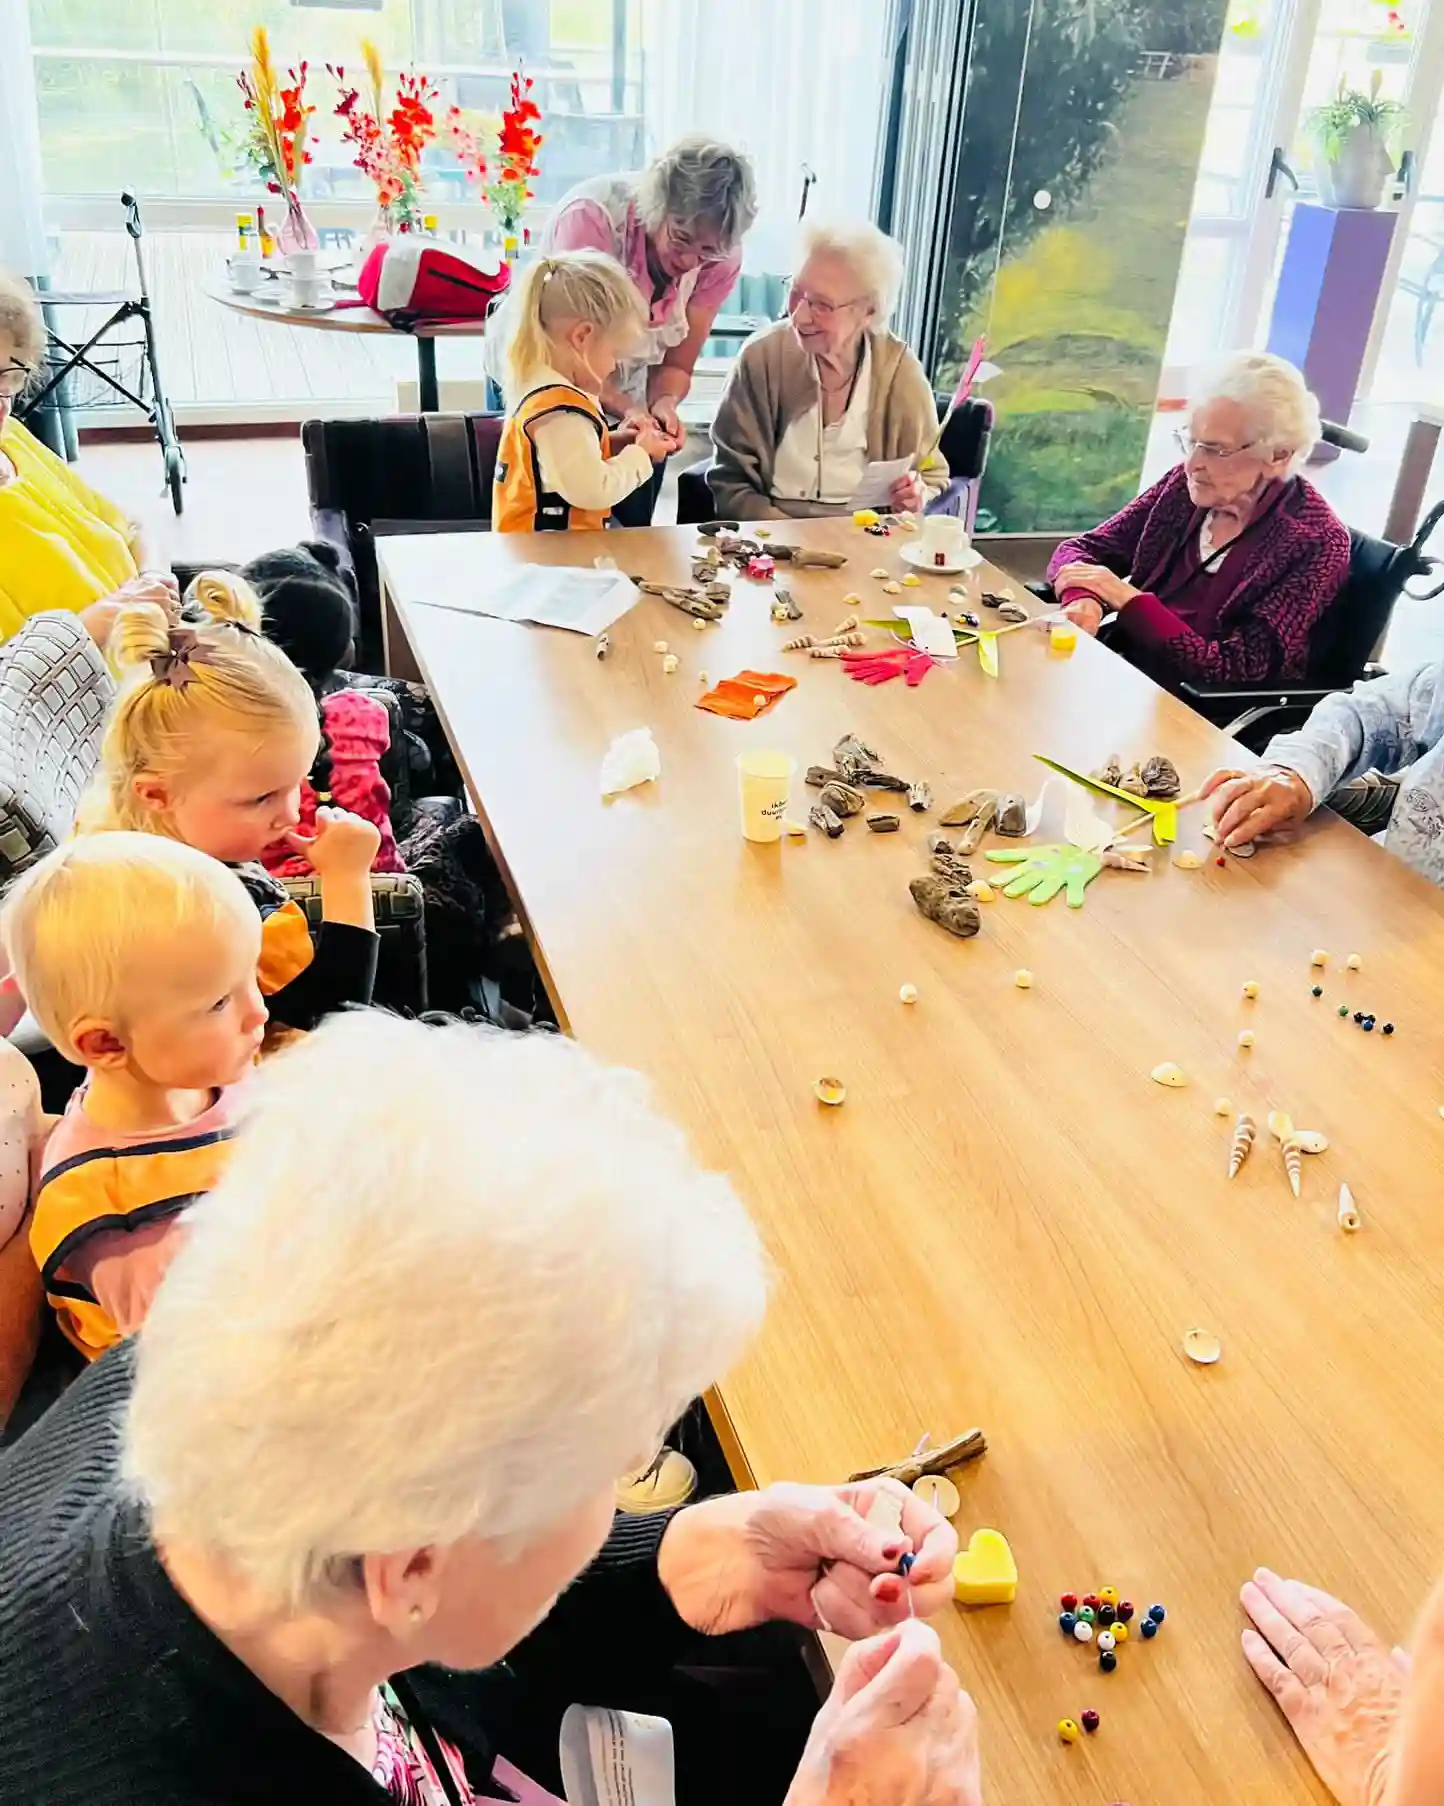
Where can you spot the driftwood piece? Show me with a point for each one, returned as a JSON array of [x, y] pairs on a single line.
[[956, 1453], [882, 780], [850, 750], [818, 775], [941, 901], [953, 870], [973, 835], [842, 799], [884, 824], [805, 558], [920, 796], [1121, 860], [1160, 777], [822, 817], [690, 601]]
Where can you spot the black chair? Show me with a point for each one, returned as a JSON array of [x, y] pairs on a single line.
[[965, 444], [417, 473]]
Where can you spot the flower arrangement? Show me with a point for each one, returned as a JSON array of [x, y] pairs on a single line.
[[276, 129], [389, 144], [508, 190]]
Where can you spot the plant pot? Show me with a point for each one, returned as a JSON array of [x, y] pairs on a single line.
[[1357, 176]]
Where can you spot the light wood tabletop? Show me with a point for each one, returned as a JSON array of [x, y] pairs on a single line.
[[1007, 1224]]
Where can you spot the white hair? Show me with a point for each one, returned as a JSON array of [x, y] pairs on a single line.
[[699, 181], [1285, 414], [875, 259], [454, 1282]]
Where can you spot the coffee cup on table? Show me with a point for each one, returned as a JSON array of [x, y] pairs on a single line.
[[304, 266], [309, 291], [244, 270], [943, 539]]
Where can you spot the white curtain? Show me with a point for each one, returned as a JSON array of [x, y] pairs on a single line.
[[22, 235], [801, 83]]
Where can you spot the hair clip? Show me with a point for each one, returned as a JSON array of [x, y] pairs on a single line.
[[173, 666]]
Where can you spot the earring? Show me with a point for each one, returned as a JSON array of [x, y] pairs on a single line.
[[417, 1614]]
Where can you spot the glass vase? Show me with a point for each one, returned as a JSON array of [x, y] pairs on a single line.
[[296, 233]]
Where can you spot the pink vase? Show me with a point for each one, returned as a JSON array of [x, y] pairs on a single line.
[[297, 233]]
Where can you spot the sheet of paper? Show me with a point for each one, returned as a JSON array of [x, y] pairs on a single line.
[[932, 633], [875, 489], [616, 1758], [582, 601]]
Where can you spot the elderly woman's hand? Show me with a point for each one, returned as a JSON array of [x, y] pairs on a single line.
[[1335, 1682], [908, 494], [1247, 804], [1113, 591], [1085, 612], [896, 1730], [806, 1554]]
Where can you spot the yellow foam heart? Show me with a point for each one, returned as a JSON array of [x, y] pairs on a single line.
[[985, 1572]]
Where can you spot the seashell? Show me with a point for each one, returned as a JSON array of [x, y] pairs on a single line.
[[844, 640], [822, 817], [945, 904], [1132, 783], [1109, 773], [827, 651], [1222, 1106], [1244, 1132], [1280, 1125], [1160, 777], [1349, 1218], [831, 1092], [1246, 851], [842, 799], [1311, 1141], [966, 810], [982, 892], [892, 589], [660, 646], [1294, 1165], [879, 574], [884, 824], [1170, 1075], [959, 598], [603, 646], [920, 796], [670, 664], [796, 830], [1188, 861], [803, 643], [1012, 817], [912, 581], [978, 827], [1121, 860], [849, 625], [1014, 612]]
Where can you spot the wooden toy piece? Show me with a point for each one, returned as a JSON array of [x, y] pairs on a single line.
[[1354, 963], [1250, 989], [1188, 861], [1068, 1731], [938, 1491], [670, 664], [1294, 1165], [848, 625], [985, 1573], [1244, 1132], [879, 574], [1319, 957], [698, 624], [1023, 979], [661, 646], [1246, 1039], [1311, 1141], [967, 1447], [803, 643], [1349, 1218], [907, 994]]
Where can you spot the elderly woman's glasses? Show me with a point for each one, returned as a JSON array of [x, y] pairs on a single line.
[[15, 379], [1188, 445], [687, 243], [820, 310]]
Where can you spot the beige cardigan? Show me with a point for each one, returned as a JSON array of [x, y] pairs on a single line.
[[774, 381]]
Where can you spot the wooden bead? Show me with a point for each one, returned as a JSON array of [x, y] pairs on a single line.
[[1108, 1595], [1107, 1661], [1125, 1610], [1120, 1631], [1083, 1631], [1068, 1730], [1106, 1640], [1069, 1602], [1091, 1721]]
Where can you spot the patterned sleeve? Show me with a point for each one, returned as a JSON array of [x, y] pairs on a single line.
[[1114, 543], [20, 1127], [1383, 725]]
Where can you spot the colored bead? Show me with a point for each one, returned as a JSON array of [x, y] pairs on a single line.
[[1157, 1613], [1358, 1015], [1066, 1621], [1245, 1040], [1107, 1661], [1068, 1730], [1069, 1602], [1343, 1009], [1092, 1599], [1388, 1028], [1086, 1614], [1108, 1595], [1083, 1631], [1126, 1609], [1318, 957], [1091, 1721], [1250, 989], [1220, 860], [1354, 963], [1107, 1613], [1106, 1640], [1120, 1632], [1368, 1025], [1148, 1628], [1317, 991]]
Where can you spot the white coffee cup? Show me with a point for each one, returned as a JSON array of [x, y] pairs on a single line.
[[944, 539], [304, 266], [310, 291], [764, 781], [244, 269]]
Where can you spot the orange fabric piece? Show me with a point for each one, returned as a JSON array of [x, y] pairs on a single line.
[[736, 697]]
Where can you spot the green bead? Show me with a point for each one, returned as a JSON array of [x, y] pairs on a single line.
[[1086, 1614], [1343, 1009]]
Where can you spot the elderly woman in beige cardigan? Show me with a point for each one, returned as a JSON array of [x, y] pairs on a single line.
[[817, 397]]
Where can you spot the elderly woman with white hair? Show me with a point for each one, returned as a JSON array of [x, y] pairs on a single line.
[[337, 1526], [817, 397], [1220, 572]]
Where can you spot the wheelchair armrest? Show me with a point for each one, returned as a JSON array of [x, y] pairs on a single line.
[[1281, 696]]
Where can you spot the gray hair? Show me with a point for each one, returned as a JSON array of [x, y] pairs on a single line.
[[876, 258], [1285, 414], [699, 179], [21, 320], [458, 1296]]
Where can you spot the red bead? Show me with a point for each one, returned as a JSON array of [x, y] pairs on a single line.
[[1220, 860], [1090, 1721], [1069, 1602], [1091, 1599], [1125, 1610]]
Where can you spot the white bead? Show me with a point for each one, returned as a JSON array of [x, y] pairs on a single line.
[[1107, 1640], [1320, 957], [1354, 963], [1246, 1038], [1023, 979], [1083, 1631], [908, 994]]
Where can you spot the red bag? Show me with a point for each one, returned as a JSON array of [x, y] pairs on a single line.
[[416, 281]]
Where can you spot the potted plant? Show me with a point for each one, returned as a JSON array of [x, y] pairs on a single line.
[[1355, 138]]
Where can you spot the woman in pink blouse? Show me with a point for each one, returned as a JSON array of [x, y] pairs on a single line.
[[676, 229]]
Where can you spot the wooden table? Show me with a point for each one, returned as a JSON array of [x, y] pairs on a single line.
[[265, 304], [1007, 1224]]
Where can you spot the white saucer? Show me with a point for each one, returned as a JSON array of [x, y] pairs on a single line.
[[922, 560]]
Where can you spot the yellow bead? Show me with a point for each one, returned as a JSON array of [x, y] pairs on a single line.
[[1108, 1595], [1068, 1730], [1250, 990], [1120, 1630], [1319, 957]]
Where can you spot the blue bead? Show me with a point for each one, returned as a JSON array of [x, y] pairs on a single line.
[[1066, 1623], [1107, 1661], [1368, 1025], [1148, 1628], [1157, 1613]]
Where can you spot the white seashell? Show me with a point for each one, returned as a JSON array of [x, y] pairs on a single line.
[[880, 574], [1170, 1075], [1311, 1141], [1188, 861], [1280, 1125], [892, 589], [1222, 1106], [1243, 1139], [1246, 1039], [1354, 963], [1349, 1218], [1294, 1166]]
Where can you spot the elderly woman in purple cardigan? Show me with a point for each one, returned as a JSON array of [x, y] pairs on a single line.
[[1222, 570]]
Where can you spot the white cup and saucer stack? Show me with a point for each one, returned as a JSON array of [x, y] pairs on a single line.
[[308, 285]]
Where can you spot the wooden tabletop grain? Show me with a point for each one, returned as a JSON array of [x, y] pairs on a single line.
[[1007, 1224]]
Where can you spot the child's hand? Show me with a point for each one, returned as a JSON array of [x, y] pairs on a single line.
[[656, 443], [343, 844]]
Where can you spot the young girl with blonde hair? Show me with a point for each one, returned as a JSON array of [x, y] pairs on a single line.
[[569, 322], [209, 742]]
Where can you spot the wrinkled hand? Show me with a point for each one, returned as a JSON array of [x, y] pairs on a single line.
[[896, 1730], [342, 846], [1248, 804], [1335, 1682], [1085, 612], [654, 441], [907, 495], [665, 416], [159, 587], [1113, 591], [1044, 871], [806, 1554]]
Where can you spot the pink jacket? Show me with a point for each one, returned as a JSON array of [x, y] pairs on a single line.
[[1285, 574], [358, 732]]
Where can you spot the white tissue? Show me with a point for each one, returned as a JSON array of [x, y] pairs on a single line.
[[631, 759]]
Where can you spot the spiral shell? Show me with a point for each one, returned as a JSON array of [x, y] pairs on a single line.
[[1349, 1218], [1294, 1166], [1244, 1132]]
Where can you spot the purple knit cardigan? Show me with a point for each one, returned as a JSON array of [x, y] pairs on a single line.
[[1285, 574]]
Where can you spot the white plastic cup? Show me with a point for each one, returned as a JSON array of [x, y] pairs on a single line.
[[764, 783]]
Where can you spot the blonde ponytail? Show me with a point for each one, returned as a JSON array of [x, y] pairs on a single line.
[[227, 598], [555, 292]]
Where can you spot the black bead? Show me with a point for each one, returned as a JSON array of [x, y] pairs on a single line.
[[1107, 1661], [1358, 1016], [1318, 991], [1388, 1028]]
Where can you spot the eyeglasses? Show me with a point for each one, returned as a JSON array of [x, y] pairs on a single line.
[[1188, 445], [820, 310], [680, 239], [15, 379]]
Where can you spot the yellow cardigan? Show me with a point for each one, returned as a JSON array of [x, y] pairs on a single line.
[[61, 544]]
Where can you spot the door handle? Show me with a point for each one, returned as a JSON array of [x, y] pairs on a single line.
[[1407, 165], [1278, 166]]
